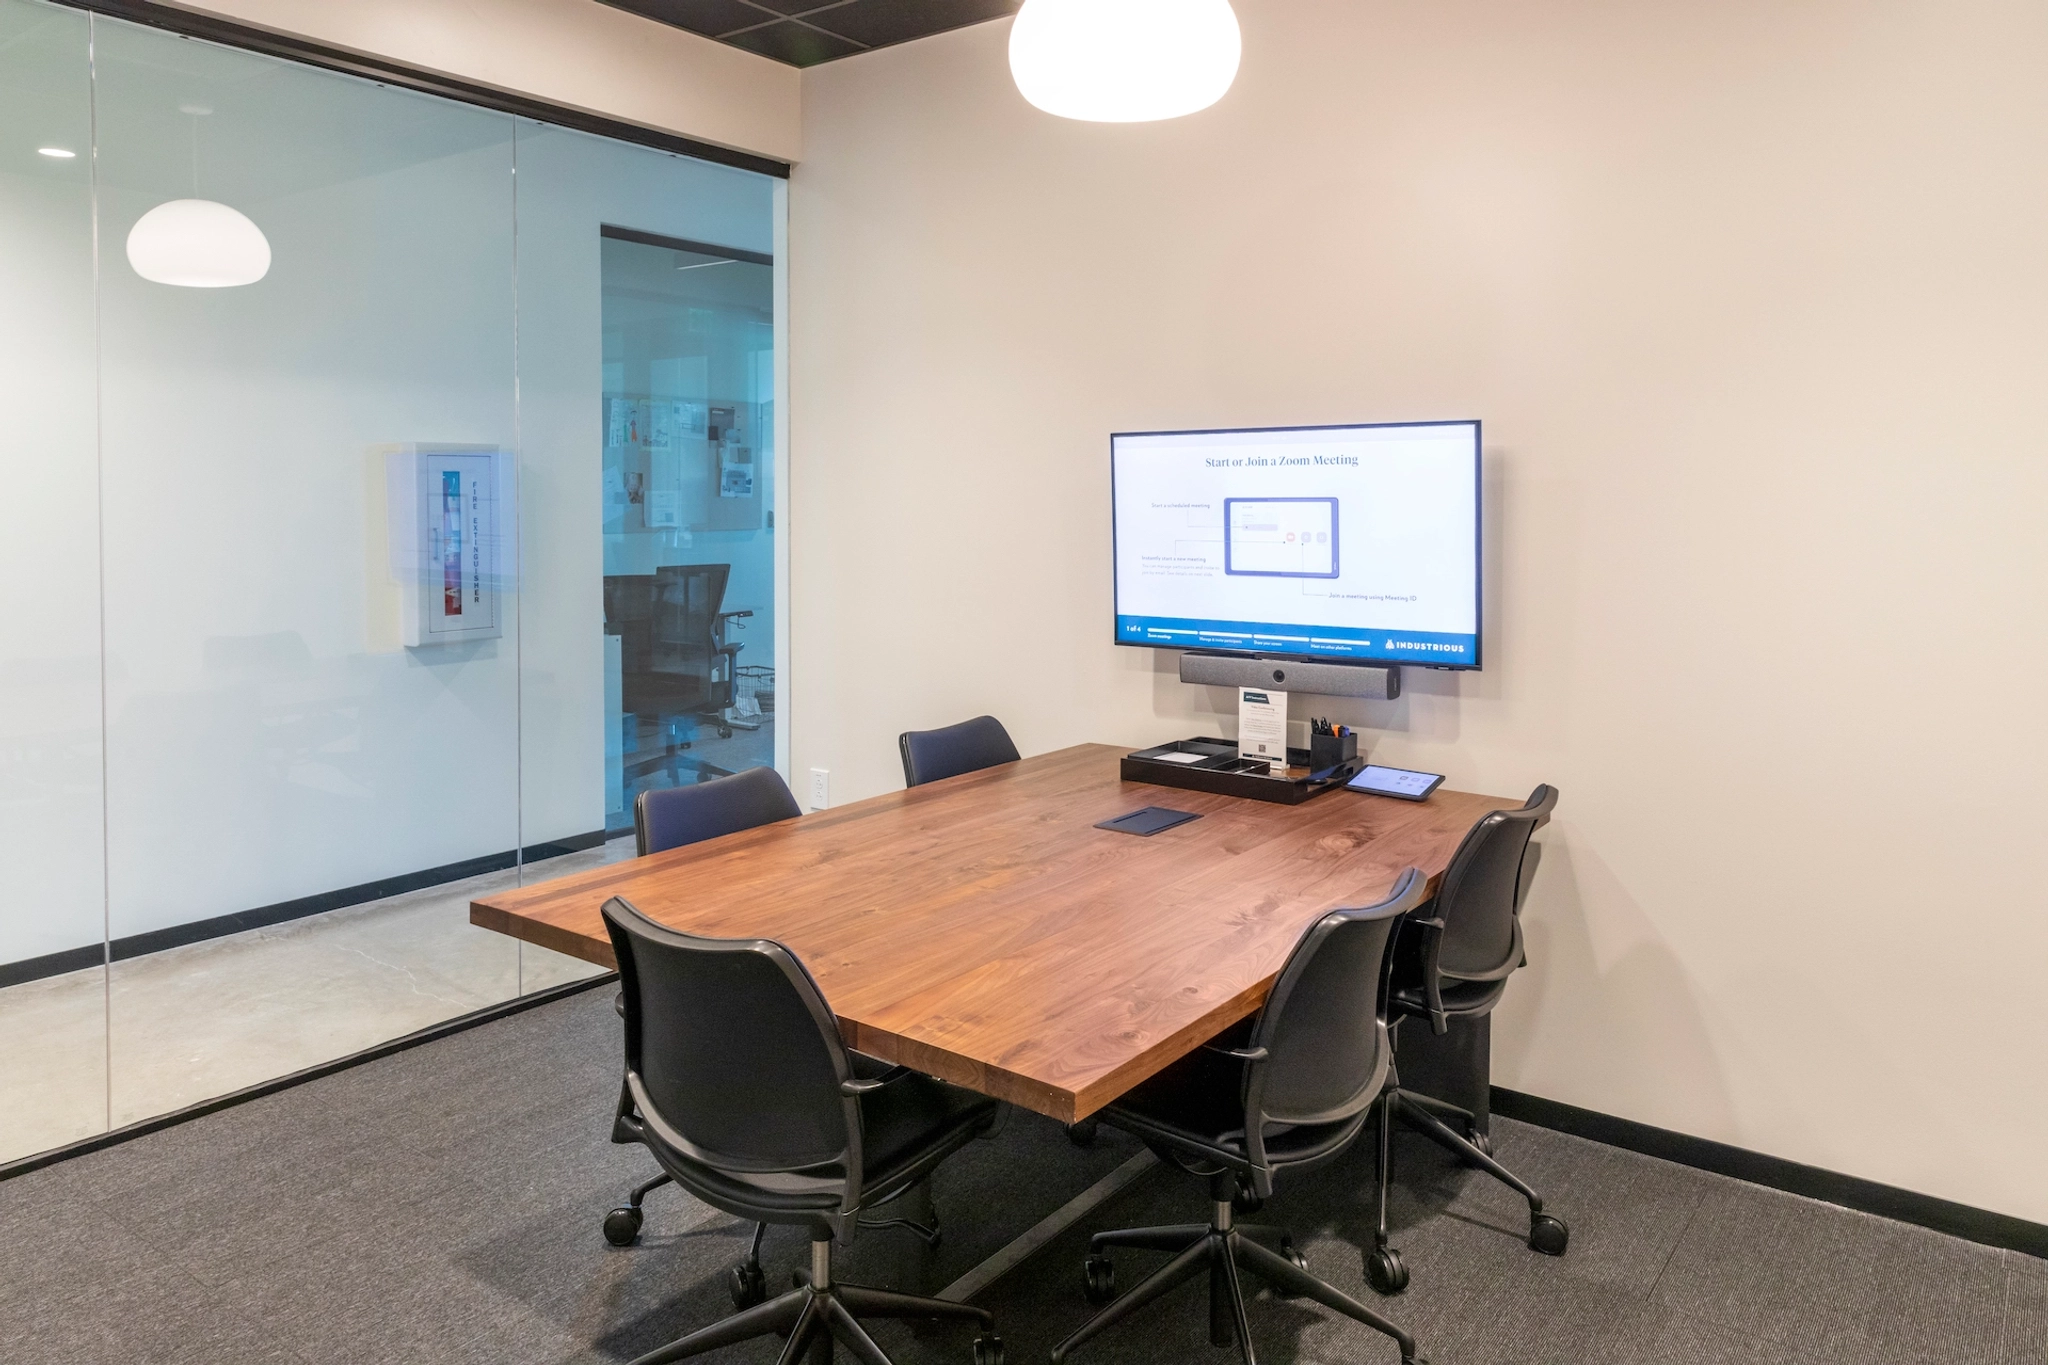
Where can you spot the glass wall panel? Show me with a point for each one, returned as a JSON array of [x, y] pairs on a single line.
[[279, 738], [582, 203], [52, 906], [306, 401]]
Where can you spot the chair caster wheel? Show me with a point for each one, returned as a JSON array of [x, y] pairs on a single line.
[[622, 1226], [1384, 1271], [1548, 1235], [1098, 1276], [988, 1350], [1483, 1141], [1082, 1134], [1246, 1203], [747, 1285], [725, 732], [1294, 1258]]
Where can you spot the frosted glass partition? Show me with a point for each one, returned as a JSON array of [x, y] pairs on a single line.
[[270, 736], [330, 543], [52, 907]]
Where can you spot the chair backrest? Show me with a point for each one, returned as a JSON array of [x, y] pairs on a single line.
[[1324, 1027], [1477, 901], [670, 817], [687, 599], [970, 746], [731, 1051]]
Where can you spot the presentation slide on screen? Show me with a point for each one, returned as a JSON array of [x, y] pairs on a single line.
[[1347, 542]]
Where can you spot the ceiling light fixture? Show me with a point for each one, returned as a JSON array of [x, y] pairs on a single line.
[[57, 153], [1124, 61], [197, 243]]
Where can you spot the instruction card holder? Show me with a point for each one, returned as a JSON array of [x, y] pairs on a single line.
[[1148, 821]]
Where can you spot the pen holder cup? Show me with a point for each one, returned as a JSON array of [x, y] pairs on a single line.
[[1327, 751]]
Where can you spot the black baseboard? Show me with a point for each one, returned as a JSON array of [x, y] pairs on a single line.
[[431, 1033], [263, 916], [1847, 1191]]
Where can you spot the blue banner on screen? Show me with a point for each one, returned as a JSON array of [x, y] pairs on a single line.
[[1352, 543], [1252, 637]]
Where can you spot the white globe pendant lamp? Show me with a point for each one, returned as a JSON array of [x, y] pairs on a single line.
[[198, 243], [1124, 61]]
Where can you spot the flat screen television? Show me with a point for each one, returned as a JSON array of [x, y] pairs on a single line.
[[1352, 544]]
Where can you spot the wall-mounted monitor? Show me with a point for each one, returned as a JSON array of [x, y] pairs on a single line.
[[1354, 544]]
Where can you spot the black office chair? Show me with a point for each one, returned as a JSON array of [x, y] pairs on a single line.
[[1452, 960], [670, 818], [1297, 1092], [745, 1094], [970, 746]]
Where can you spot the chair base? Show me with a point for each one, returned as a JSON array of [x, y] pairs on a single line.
[[819, 1314], [1221, 1250], [1383, 1269], [746, 1282]]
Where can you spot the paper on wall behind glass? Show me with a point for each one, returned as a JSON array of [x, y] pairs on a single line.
[[665, 487]]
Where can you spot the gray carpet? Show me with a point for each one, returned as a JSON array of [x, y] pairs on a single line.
[[443, 1205]]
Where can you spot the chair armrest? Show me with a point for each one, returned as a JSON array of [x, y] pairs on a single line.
[[1242, 1054], [861, 1087]]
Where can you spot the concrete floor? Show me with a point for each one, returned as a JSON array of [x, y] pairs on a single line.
[[86, 1051]]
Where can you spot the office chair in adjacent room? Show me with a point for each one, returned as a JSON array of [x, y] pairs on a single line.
[[690, 644], [742, 1089], [675, 658], [1295, 1093], [970, 746], [1452, 960]]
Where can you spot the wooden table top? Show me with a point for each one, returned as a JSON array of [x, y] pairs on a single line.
[[980, 929]]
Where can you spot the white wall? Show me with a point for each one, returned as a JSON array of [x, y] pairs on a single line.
[[574, 52], [1752, 300]]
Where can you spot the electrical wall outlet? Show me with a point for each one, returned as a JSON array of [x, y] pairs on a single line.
[[820, 790]]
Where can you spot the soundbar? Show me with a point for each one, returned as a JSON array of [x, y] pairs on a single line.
[[1374, 682]]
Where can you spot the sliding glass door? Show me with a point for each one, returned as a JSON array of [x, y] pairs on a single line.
[[689, 572]]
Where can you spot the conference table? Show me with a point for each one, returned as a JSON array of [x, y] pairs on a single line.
[[982, 930]]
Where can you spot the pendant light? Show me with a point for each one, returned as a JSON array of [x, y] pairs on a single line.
[[197, 243], [1124, 61]]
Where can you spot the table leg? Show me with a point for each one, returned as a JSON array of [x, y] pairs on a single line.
[[1456, 1068]]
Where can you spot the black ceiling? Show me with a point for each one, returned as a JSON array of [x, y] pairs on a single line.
[[806, 32]]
